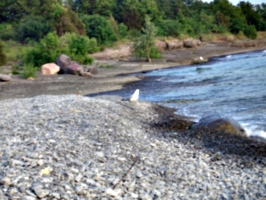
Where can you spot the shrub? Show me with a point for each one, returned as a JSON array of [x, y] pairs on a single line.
[[169, 28], [32, 28], [29, 71], [7, 32], [144, 45], [51, 46], [3, 58], [122, 30], [251, 32], [100, 28], [93, 46]]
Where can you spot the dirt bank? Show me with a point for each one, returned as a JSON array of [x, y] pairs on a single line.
[[107, 79]]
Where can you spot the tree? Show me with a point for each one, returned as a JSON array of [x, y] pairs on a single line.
[[32, 28], [100, 28], [133, 12], [252, 16], [92, 7], [144, 45]]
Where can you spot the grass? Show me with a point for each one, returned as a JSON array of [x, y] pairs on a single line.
[[29, 70]]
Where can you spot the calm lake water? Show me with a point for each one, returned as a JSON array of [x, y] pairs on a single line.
[[232, 85]]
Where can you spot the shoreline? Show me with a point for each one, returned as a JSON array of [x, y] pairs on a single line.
[[113, 78]]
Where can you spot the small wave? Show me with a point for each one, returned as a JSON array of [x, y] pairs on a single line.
[[254, 131]]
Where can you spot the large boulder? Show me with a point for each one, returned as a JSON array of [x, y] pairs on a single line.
[[161, 45], [74, 68], [191, 43], [5, 77], [50, 69], [215, 122], [63, 61], [174, 44]]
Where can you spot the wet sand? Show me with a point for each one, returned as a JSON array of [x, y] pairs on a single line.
[[112, 78]]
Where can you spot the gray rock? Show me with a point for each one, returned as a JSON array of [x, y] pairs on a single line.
[[5, 77], [41, 193], [217, 123], [6, 181]]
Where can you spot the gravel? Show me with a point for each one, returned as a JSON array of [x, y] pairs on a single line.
[[75, 147]]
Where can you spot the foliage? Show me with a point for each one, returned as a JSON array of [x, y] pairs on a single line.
[[122, 30], [100, 28], [169, 28], [6, 31], [29, 70], [251, 32], [32, 28], [133, 12], [144, 45], [51, 46], [3, 57], [92, 7]]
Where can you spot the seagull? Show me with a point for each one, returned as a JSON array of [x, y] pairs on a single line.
[[135, 96]]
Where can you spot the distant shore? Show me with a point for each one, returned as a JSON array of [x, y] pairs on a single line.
[[112, 78]]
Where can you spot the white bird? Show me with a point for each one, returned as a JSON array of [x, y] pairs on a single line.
[[135, 96]]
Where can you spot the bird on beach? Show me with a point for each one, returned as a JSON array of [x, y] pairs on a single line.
[[135, 96]]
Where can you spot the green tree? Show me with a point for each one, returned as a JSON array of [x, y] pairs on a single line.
[[253, 16], [144, 45], [100, 28], [133, 12], [92, 7], [32, 28]]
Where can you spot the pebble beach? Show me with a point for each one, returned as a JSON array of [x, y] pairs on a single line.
[[74, 147]]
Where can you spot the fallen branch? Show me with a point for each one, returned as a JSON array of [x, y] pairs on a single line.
[[135, 159]]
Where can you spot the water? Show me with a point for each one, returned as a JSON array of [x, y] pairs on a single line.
[[233, 85]]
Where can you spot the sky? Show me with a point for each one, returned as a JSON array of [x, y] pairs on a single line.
[[235, 2]]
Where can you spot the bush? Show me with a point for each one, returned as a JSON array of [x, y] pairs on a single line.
[[122, 30], [51, 46], [169, 28], [29, 71], [100, 28], [3, 58], [7, 32], [144, 45], [33, 28], [251, 32], [93, 46]]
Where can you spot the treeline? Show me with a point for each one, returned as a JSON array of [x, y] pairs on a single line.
[[106, 21], [109, 20]]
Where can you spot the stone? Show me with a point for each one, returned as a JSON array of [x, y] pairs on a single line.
[[6, 181], [161, 45], [191, 43], [92, 70], [74, 68], [41, 193], [5, 77], [199, 60], [174, 44], [113, 193], [50, 69], [63, 61], [217, 123]]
